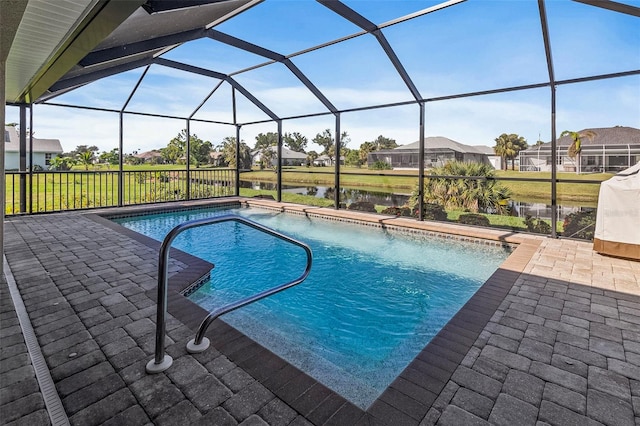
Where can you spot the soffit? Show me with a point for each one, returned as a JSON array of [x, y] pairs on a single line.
[[43, 29], [53, 37]]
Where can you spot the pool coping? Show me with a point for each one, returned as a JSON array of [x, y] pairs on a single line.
[[410, 396], [195, 273]]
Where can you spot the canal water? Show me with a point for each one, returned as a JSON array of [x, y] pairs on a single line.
[[352, 195]]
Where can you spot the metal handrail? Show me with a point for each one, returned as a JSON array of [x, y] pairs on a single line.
[[163, 361]]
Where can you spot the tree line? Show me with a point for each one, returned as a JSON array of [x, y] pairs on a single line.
[[507, 146]]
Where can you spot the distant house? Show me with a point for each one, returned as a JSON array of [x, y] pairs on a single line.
[[325, 160], [154, 157], [43, 150], [438, 151], [611, 149], [289, 157], [217, 158]]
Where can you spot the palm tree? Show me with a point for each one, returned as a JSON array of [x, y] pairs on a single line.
[[57, 162], [508, 147], [311, 157], [266, 158], [86, 159], [576, 146], [365, 149], [502, 149], [479, 192]]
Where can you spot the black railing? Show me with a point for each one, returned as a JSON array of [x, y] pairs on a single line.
[[162, 361], [575, 222], [54, 191]]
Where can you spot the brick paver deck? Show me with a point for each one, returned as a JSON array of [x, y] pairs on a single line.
[[553, 338]]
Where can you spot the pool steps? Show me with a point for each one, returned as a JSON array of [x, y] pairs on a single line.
[[161, 360]]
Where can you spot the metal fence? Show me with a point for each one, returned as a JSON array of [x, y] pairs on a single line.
[[592, 159], [47, 191]]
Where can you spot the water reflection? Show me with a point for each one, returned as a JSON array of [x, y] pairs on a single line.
[[347, 195], [352, 195]]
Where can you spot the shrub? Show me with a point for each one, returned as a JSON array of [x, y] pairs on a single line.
[[580, 225], [474, 219], [163, 177], [397, 211], [538, 226], [380, 165], [432, 212], [264, 196], [476, 190], [363, 206]]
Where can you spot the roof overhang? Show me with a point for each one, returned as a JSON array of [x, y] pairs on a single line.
[[52, 38]]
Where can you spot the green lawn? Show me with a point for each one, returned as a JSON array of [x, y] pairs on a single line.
[[531, 191], [404, 181], [501, 221], [497, 221], [147, 183], [584, 193], [66, 191]]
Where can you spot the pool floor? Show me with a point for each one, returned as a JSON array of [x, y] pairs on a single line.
[[373, 299]]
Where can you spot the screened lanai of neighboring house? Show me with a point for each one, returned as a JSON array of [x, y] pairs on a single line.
[[605, 150], [129, 78]]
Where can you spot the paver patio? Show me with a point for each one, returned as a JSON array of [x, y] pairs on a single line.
[[560, 346]]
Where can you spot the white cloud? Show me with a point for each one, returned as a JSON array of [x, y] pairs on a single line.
[[474, 121]]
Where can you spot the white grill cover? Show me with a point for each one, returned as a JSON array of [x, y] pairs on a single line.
[[618, 218]]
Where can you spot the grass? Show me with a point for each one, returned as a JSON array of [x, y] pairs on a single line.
[[323, 176], [584, 193], [60, 192], [67, 191], [289, 197], [501, 221], [531, 191], [496, 221], [404, 181]]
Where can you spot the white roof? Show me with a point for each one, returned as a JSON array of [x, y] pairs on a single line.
[[286, 153], [39, 145], [440, 142], [149, 154], [325, 157]]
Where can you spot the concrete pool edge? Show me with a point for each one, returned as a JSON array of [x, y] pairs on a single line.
[[426, 375], [196, 272]]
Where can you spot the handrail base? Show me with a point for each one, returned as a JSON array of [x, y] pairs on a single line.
[[153, 368], [194, 348]]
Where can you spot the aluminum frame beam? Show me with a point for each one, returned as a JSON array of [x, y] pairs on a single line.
[[189, 68], [244, 45], [362, 22], [204, 101], [81, 80], [276, 57], [115, 53], [552, 84], [219, 76], [157, 6], [627, 9]]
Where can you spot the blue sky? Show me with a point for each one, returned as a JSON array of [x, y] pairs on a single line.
[[473, 46]]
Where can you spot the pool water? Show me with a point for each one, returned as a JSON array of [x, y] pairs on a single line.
[[373, 300]]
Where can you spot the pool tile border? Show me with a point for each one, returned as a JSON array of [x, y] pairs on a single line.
[[390, 227], [432, 368], [410, 396]]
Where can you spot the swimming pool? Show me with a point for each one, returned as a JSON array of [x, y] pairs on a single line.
[[373, 300]]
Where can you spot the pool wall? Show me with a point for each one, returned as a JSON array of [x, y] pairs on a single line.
[[423, 379]]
